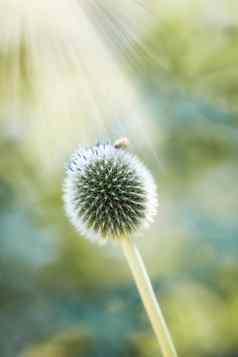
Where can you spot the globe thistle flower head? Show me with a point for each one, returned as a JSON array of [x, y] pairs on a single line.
[[108, 193]]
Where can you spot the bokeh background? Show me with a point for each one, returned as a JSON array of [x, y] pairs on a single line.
[[163, 73]]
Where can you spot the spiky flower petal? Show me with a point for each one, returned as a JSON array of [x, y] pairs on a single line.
[[108, 193]]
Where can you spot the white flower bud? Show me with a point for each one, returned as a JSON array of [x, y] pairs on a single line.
[[108, 193]]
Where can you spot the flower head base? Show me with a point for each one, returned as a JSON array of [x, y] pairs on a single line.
[[108, 193]]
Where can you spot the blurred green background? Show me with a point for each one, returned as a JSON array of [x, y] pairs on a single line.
[[165, 75]]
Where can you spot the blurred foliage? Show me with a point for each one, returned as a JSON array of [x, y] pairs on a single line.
[[197, 56], [60, 295], [16, 85]]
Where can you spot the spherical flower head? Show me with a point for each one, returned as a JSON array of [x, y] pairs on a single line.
[[108, 193]]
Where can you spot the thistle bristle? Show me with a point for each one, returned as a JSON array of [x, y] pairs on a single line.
[[106, 192]]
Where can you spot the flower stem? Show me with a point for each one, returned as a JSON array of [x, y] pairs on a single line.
[[148, 297]]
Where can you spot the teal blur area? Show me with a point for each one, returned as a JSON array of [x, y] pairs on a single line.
[[164, 74]]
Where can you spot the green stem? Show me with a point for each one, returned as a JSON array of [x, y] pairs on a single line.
[[148, 297]]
